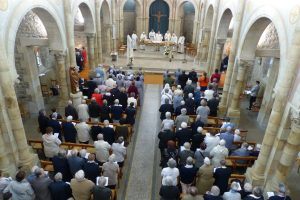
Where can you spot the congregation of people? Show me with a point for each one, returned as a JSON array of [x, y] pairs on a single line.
[[102, 122], [193, 160]]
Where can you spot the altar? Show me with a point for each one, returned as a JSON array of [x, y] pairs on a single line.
[[156, 45]]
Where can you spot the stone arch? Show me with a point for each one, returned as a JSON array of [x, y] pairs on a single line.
[[88, 15], [248, 50], [223, 26], [209, 17], [51, 20], [106, 26], [138, 15], [183, 25]]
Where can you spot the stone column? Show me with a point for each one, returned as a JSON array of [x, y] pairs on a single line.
[[289, 154], [108, 40], [99, 33], [61, 71], [268, 98], [70, 32], [96, 60], [234, 109], [199, 49], [205, 45], [91, 49], [113, 26], [25, 158], [212, 36], [231, 62], [37, 101], [171, 25], [194, 31], [218, 54]]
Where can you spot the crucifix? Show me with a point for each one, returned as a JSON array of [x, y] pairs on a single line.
[[158, 15]]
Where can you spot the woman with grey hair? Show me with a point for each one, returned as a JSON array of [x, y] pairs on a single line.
[[257, 194], [281, 193], [247, 189], [169, 191], [168, 123], [171, 171], [192, 194], [111, 170], [233, 193], [213, 194], [100, 191], [203, 110]]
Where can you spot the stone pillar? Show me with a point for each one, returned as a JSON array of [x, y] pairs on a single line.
[[96, 60], [234, 109], [288, 156], [61, 71], [70, 32], [194, 31], [205, 46], [212, 36], [199, 49], [113, 26], [231, 62], [218, 54], [171, 25], [91, 49], [268, 99], [108, 40], [122, 30], [13, 116], [99, 33], [37, 101]]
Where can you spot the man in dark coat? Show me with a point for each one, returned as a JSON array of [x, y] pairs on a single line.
[[190, 104], [164, 137], [130, 114], [94, 109], [43, 121], [183, 135], [182, 79], [178, 109], [55, 125], [60, 164], [116, 111], [91, 87], [166, 107], [108, 133], [122, 96], [193, 76], [91, 168], [213, 106], [197, 139], [100, 191], [196, 124], [60, 190], [222, 175], [69, 130], [105, 111], [75, 162], [70, 110], [95, 130], [53, 110]]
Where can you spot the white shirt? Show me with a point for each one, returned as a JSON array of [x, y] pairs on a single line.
[[102, 150], [83, 132], [158, 37], [119, 150], [209, 94], [143, 36], [172, 172], [110, 83], [167, 124], [132, 99], [211, 142], [152, 35], [181, 40], [174, 39], [83, 112]]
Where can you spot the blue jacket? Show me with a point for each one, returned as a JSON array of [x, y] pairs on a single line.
[[228, 137], [60, 190]]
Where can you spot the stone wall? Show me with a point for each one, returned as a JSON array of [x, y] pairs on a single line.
[[129, 23], [269, 38], [187, 28]]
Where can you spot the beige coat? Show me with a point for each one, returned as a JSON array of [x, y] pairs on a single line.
[[205, 178], [81, 190]]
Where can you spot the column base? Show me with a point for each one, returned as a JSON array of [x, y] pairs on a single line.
[[253, 178], [272, 184], [31, 161], [76, 98], [234, 116], [222, 110]]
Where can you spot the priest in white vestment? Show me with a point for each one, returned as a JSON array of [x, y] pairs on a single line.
[[181, 44], [142, 40], [167, 36], [174, 39], [129, 49], [152, 35], [158, 37], [134, 38]]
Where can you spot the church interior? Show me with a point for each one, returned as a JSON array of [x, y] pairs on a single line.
[[60, 53]]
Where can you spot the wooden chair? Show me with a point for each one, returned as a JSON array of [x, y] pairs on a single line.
[[45, 91]]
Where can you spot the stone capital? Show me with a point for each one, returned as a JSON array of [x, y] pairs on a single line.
[[295, 120], [220, 41], [59, 55], [90, 35], [245, 63]]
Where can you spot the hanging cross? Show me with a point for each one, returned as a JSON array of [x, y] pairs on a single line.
[[158, 15]]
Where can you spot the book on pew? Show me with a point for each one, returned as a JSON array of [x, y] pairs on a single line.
[[87, 155], [111, 126], [56, 135], [69, 152], [106, 182], [74, 123]]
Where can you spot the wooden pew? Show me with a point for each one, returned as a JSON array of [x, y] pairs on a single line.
[[239, 177], [47, 165], [231, 161]]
